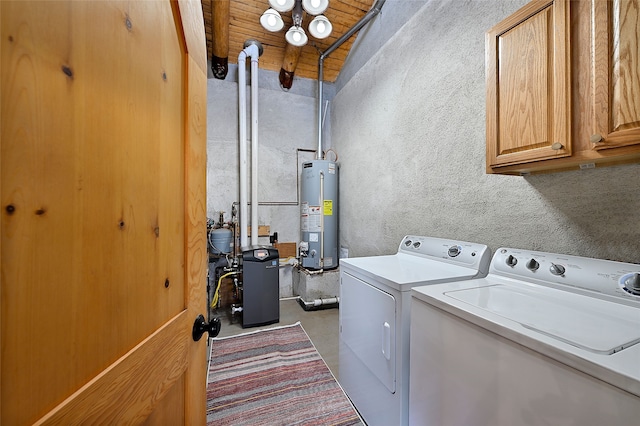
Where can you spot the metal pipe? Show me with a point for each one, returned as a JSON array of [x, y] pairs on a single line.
[[358, 25]]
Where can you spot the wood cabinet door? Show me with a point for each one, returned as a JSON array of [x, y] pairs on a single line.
[[616, 67], [528, 85], [103, 221]]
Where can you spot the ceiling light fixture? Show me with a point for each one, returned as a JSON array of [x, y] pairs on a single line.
[[320, 27], [315, 7], [296, 36], [271, 20], [283, 5]]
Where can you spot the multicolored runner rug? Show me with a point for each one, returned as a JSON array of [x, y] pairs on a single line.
[[273, 377]]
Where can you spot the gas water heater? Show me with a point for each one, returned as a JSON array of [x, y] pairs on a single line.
[[319, 214]]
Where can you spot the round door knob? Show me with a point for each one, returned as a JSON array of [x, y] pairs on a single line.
[[533, 265], [200, 326], [556, 146], [511, 261], [556, 269]]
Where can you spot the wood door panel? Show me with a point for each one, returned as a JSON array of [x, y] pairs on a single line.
[[103, 162], [109, 398], [524, 85], [616, 92], [528, 85]]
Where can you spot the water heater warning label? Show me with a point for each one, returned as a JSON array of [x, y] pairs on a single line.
[[310, 218], [328, 207]]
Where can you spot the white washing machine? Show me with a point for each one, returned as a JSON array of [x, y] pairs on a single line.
[[375, 298], [543, 339]]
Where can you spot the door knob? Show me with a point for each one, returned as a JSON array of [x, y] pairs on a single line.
[[200, 326]]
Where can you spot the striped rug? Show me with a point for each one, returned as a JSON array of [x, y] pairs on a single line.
[[273, 377]]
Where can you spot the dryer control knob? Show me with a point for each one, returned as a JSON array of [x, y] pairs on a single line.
[[533, 265], [511, 261], [454, 251], [556, 269]]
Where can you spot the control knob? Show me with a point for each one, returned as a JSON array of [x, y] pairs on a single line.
[[454, 251], [556, 269], [511, 261], [533, 265], [632, 283]]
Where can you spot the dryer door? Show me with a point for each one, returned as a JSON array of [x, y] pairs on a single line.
[[368, 327]]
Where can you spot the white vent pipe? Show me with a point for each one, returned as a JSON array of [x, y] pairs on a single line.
[[253, 49]]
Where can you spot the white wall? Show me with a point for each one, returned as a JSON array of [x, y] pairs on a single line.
[[409, 128]]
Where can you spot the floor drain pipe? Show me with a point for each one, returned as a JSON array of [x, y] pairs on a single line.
[[316, 304], [358, 25]]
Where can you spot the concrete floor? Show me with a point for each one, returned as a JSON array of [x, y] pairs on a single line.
[[320, 325]]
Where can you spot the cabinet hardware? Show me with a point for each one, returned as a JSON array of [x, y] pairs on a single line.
[[596, 138], [556, 146]]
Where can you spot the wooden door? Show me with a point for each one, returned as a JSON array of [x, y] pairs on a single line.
[[528, 85], [616, 80], [103, 162]]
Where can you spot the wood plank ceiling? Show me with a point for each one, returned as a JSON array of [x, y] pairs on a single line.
[[244, 24]]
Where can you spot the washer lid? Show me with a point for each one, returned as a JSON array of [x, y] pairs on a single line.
[[592, 324]]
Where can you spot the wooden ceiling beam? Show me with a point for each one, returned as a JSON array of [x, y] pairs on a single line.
[[220, 55], [289, 65], [242, 18]]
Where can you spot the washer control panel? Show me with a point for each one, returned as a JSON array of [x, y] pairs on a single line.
[[606, 277]]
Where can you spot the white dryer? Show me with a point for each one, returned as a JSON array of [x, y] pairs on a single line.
[[375, 298]]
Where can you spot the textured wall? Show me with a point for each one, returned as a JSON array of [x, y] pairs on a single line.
[[410, 131], [287, 122]]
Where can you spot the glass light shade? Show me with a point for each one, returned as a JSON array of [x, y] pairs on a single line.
[[282, 5], [296, 36], [315, 7], [320, 27], [271, 20]]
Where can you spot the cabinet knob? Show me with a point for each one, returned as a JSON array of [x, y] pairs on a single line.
[[556, 146], [596, 138]]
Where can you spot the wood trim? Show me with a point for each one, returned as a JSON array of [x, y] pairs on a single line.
[[129, 405], [196, 256], [190, 12], [196, 244]]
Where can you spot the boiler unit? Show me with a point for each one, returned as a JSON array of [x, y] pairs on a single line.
[[319, 214], [260, 287]]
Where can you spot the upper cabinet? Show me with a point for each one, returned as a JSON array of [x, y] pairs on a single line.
[[528, 85], [563, 86], [616, 79]]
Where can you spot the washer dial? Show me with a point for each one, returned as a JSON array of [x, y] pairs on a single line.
[[631, 283]]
